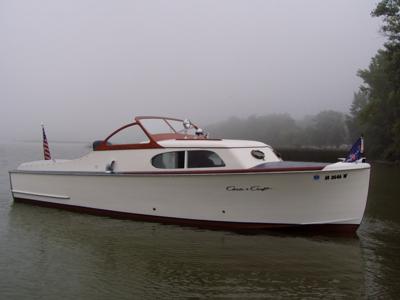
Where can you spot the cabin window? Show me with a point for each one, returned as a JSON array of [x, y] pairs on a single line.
[[129, 135], [204, 159], [169, 160]]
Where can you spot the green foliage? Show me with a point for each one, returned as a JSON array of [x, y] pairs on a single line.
[[376, 106], [328, 129], [354, 124], [390, 11]]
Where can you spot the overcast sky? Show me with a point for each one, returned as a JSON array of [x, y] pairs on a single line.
[[85, 67]]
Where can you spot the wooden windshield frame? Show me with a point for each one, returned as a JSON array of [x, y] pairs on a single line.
[[105, 145], [153, 138]]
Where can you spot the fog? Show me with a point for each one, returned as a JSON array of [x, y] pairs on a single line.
[[87, 67]]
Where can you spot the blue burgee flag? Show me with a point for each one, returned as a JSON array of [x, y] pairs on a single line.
[[356, 151]]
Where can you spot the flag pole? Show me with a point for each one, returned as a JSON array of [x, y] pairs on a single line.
[[362, 144]]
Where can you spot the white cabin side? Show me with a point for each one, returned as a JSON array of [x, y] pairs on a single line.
[[234, 155]]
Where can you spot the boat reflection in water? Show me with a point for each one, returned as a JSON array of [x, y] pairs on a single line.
[[175, 174], [101, 258]]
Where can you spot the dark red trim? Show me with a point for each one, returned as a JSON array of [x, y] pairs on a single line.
[[104, 145], [186, 172], [236, 226], [227, 171]]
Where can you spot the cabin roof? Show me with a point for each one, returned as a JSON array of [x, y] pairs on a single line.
[[172, 135], [209, 143]]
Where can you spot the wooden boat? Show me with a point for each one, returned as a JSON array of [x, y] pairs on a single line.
[[167, 170]]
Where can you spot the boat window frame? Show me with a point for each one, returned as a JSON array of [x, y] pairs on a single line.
[[186, 159], [168, 152], [203, 167], [105, 145]]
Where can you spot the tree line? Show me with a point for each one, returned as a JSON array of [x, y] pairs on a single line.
[[327, 129], [374, 112]]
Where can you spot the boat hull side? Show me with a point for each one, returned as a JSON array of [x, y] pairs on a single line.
[[223, 200]]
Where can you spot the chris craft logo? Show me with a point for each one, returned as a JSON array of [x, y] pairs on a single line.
[[253, 188]]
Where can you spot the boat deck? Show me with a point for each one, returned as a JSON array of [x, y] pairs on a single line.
[[291, 166]]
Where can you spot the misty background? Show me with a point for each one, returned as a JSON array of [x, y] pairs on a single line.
[[87, 67]]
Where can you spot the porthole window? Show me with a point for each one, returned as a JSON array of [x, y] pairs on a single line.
[[258, 154], [204, 159], [169, 160]]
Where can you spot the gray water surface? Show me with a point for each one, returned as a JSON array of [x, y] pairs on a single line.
[[54, 254]]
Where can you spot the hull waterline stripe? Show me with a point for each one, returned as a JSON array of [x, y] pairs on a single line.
[[40, 195]]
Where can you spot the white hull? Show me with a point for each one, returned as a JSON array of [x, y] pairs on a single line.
[[292, 198]]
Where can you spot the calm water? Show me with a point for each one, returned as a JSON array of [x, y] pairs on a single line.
[[53, 254]]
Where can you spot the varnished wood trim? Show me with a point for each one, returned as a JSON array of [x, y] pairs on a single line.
[[105, 146]]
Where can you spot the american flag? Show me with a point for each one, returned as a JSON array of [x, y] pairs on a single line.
[[357, 151], [46, 149]]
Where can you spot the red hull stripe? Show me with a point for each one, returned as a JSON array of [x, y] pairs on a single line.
[[314, 228], [186, 172], [234, 171]]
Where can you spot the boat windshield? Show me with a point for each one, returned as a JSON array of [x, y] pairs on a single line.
[[166, 126], [146, 131], [157, 126]]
